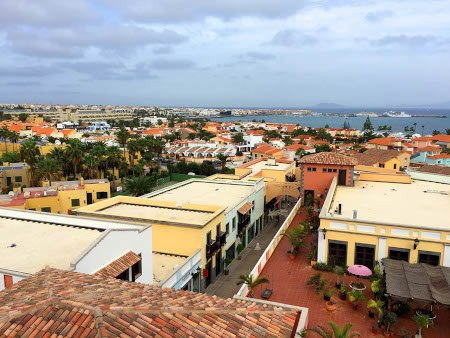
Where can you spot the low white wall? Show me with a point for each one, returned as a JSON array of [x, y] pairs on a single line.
[[270, 248], [180, 277], [422, 176]]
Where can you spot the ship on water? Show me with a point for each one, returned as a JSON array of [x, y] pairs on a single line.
[[392, 113]]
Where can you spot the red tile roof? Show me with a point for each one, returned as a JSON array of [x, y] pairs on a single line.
[[116, 267], [328, 158], [435, 169], [295, 147], [384, 141], [436, 157], [373, 156], [66, 304], [442, 138]]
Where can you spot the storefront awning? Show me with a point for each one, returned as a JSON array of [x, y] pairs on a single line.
[[421, 282], [245, 208]]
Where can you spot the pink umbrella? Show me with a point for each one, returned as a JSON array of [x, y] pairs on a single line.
[[360, 270]]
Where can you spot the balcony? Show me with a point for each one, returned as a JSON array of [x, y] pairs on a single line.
[[222, 238], [211, 248], [243, 222]]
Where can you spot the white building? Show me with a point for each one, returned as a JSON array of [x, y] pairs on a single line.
[[30, 241], [244, 202], [153, 120]]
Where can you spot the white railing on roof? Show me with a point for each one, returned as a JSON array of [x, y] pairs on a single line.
[[270, 248], [179, 277]]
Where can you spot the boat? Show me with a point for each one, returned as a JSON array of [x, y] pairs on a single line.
[[392, 113]]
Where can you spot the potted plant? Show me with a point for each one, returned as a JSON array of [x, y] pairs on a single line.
[[336, 332], [296, 236], [376, 328], [251, 283], [375, 306], [339, 270], [422, 321], [239, 249], [327, 294], [330, 306], [227, 262], [389, 319], [343, 292], [356, 296], [357, 286], [314, 280], [312, 255]]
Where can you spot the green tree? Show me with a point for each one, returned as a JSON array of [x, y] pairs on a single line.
[[238, 138], [91, 164], [47, 168], [223, 160], [4, 134], [336, 331], [114, 159], [252, 283], [368, 124], [10, 157], [140, 185], [122, 137], [75, 153], [288, 141], [300, 152], [29, 152], [13, 137], [322, 148], [23, 117]]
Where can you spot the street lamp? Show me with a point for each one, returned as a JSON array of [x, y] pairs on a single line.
[[416, 243], [324, 233]]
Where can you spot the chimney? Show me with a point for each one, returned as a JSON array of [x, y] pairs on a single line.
[[355, 214], [339, 211]]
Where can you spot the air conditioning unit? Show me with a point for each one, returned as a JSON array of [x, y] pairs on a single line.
[[26, 194]]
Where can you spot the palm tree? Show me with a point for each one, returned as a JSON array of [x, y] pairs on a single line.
[[91, 164], [114, 158], [122, 137], [4, 133], [75, 153], [223, 159], [29, 152], [296, 236], [13, 137], [133, 149], [47, 168], [100, 151], [59, 155], [337, 332], [252, 283], [140, 185]]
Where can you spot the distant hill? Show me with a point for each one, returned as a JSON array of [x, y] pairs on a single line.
[[327, 105]]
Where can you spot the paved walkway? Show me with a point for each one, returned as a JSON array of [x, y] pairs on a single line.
[[225, 286]]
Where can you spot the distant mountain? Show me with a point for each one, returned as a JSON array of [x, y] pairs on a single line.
[[327, 105]]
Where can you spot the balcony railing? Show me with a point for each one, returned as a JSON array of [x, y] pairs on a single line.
[[243, 222], [222, 238], [211, 248]]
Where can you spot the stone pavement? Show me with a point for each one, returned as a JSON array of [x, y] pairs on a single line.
[[225, 285]]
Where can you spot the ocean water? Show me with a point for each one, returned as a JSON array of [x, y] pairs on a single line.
[[337, 121]]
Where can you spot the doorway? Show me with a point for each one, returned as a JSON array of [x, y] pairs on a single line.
[[218, 263], [365, 255], [89, 198], [342, 177]]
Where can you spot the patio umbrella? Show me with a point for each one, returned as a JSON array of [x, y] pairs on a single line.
[[360, 270]]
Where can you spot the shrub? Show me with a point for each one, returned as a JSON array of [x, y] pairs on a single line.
[[324, 267]]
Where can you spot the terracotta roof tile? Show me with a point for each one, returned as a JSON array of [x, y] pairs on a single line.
[[115, 268], [328, 158], [62, 303], [373, 156]]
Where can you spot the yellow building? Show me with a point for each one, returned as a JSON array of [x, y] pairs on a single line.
[[387, 159], [60, 197], [374, 220], [178, 229], [14, 175]]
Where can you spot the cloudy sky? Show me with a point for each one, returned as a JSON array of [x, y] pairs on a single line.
[[258, 53]]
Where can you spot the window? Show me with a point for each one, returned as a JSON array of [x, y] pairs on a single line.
[[102, 195], [8, 281], [365, 255], [334, 170], [381, 165], [32, 209], [46, 209], [311, 169], [227, 228], [337, 253], [429, 257], [234, 223], [136, 269], [76, 202], [324, 170], [395, 166], [18, 179], [399, 254], [218, 230], [208, 237]]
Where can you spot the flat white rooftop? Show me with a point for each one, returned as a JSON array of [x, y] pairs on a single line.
[[29, 246], [165, 265], [154, 213], [225, 193], [266, 165], [420, 204]]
